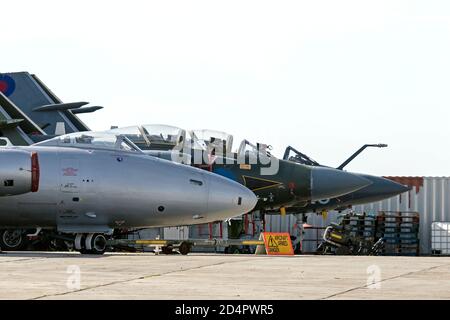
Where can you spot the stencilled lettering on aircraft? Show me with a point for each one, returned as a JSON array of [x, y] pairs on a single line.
[[70, 172], [70, 182], [69, 187]]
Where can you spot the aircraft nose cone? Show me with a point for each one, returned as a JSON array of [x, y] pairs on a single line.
[[391, 188], [228, 199], [380, 189], [331, 183]]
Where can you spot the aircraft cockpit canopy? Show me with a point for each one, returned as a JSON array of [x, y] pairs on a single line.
[[92, 140], [153, 136], [246, 147], [213, 139], [164, 134]]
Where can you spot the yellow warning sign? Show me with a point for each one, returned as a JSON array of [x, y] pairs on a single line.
[[276, 243]]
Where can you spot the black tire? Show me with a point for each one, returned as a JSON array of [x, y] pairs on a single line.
[[184, 248], [98, 245], [12, 239]]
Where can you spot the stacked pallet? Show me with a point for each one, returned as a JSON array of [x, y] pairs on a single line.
[[400, 231], [361, 229]]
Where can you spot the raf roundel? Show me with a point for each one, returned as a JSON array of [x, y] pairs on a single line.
[[7, 85]]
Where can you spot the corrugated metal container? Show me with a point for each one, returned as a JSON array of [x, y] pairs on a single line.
[[430, 197], [176, 233], [278, 223]]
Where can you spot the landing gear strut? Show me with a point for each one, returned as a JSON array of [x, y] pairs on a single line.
[[90, 243]]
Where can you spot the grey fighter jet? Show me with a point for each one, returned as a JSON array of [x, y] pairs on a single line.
[[86, 184]]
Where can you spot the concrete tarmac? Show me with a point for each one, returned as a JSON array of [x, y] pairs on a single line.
[[50, 275]]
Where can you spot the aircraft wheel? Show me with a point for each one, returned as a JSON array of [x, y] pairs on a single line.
[[12, 239], [99, 244], [184, 248], [92, 243], [95, 243]]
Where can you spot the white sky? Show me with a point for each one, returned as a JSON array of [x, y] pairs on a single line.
[[322, 76]]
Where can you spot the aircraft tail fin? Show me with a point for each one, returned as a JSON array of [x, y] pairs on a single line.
[[40, 104], [60, 129], [15, 124]]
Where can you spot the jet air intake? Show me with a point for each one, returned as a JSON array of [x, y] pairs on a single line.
[[19, 172]]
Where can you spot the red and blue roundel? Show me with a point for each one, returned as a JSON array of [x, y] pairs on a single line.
[[7, 85]]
